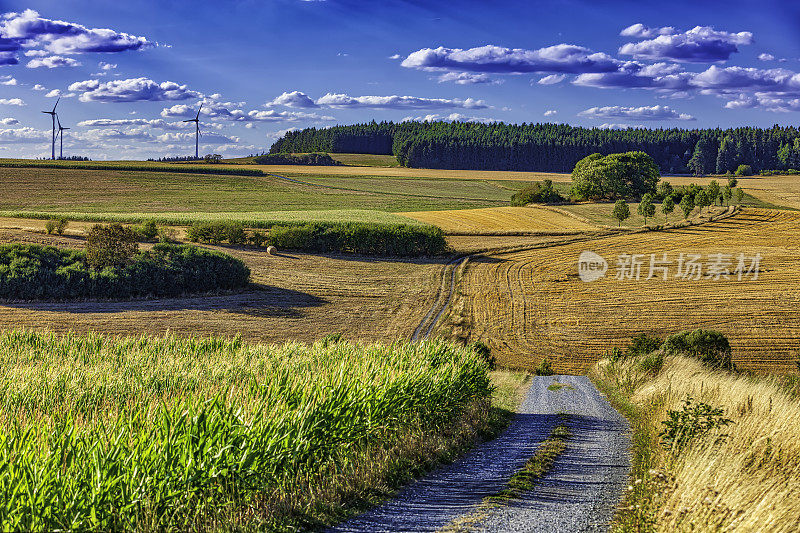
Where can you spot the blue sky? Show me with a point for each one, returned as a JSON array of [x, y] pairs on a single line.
[[130, 71]]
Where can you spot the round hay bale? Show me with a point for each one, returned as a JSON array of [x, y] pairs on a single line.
[[271, 250]]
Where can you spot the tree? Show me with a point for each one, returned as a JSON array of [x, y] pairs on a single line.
[[621, 211], [701, 200], [744, 170], [687, 205], [110, 246], [727, 193], [712, 191], [732, 182], [739, 195], [663, 190], [614, 176], [704, 156], [646, 207], [667, 207], [726, 155]]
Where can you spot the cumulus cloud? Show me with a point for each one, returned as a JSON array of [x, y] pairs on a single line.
[[656, 112], [397, 102], [9, 121], [452, 117], [24, 135], [212, 137], [284, 116], [640, 31], [701, 44], [131, 90], [117, 122], [232, 111], [7, 80], [552, 79], [30, 30], [738, 78], [8, 58], [39, 87], [550, 113], [292, 99], [12, 101], [614, 126], [633, 74], [52, 62], [106, 66], [560, 58], [466, 78]]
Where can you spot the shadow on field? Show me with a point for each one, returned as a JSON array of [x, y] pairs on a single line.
[[259, 301]]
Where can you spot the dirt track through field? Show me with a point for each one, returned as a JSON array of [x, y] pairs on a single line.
[[579, 494]]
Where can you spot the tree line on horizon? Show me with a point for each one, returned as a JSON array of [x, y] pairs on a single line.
[[552, 147]]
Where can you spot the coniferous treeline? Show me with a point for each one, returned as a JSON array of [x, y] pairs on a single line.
[[551, 147]]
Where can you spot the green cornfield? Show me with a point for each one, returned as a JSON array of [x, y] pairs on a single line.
[[169, 433]]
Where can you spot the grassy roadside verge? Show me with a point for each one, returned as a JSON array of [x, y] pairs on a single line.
[[705, 474]]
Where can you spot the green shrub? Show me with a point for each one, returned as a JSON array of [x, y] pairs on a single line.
[[537, 193], [693, 420], [148, 231], [257, 238], [616, 354], [709, 346], [61, 225], [484, 351], [234, 233], [643, 344], [207, 232], [113, 245], [360, 238], [29, 272], [50, 226], [652, 362], [314, 159], [744, 170], [544, 368], [167, 235]]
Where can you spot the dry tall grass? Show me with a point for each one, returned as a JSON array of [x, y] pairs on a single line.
[[746, 481], [501, 220]]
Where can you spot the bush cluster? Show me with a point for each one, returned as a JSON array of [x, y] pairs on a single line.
[[744, 170], [315, 159], [709, 346], [349, 237], [56, 225], [540, 192], [31, 272]]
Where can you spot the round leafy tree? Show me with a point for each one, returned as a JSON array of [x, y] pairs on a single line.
[[626, 175]]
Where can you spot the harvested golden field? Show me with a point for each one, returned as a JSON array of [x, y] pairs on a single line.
[[531, 304], [299, 297], [498, 220]]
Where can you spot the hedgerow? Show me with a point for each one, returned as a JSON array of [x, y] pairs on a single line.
[[358, 238], [299, 159], [32, 272]]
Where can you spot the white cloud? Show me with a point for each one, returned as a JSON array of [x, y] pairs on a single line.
[[154, 123], [452, 117], [106, 66], [561, 58], [656, 112], [12, 101], [701, 44], [397, 102], [466, 78], [131, 90], [9, 121], [39, 87], [292, 99], [52, 62], [552, 79], [24, 135], [550, 113], [7, 80]]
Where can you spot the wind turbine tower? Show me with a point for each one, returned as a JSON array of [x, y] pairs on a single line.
[[196, 121], [53, 116], [61, 133]]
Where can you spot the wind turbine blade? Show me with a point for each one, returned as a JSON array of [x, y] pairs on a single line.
[[190, 120], [55, 106], [59, 122], [198, 111]]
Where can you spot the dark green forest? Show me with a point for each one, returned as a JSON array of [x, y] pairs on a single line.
[[551, 147]]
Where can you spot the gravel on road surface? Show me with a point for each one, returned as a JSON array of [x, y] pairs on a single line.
[[578, 494]]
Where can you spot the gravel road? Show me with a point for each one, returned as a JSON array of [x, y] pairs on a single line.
[[579, 494]]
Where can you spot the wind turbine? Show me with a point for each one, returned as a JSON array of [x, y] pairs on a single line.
[[61, 133], [53, 116], [196, 121]]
